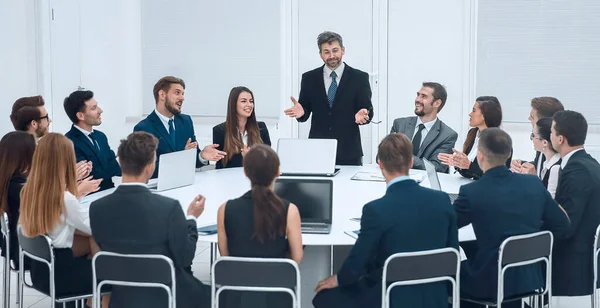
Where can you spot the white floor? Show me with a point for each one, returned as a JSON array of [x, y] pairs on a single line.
[[34, 299], [201, 270]]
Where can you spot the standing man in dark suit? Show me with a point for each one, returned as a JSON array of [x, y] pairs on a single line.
[[339, 97], [429, 135], [174, 130], [578, 192], [408, 218], [91, 145], [499, 205], [133, 220], [541, 107]]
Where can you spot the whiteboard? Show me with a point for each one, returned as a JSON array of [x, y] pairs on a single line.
[[213, 46]]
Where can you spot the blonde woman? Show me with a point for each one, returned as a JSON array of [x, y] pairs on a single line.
[[49, 206]]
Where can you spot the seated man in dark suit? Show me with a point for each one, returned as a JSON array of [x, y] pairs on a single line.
[[578, 192], [429, 135], [408, 218], [133, 220], [90, 144], [174, 130], [499, 205]]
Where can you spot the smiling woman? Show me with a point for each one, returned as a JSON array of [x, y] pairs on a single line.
[[240, 131]]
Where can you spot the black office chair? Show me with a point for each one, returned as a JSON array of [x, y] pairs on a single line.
[[39, 248], [255, 275], [596, 247], [421, 267], [522, 250], [143, 271]]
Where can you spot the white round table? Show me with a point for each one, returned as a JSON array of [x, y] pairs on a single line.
[[349, 196]]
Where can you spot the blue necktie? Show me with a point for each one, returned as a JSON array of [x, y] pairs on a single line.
[[94, 142], [172, 131], [332, 88]]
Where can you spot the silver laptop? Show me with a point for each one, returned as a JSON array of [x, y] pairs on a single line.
[[176, 169], [434, 180], [307, 157], [314, 199]]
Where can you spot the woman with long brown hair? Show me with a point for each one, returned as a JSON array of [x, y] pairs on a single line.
[[487, 112], [240, 131], [259, 224], [16, 154], [49, 206]]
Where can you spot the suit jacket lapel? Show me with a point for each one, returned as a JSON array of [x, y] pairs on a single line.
[[158, 125], [410, 129], [87, 141], [321, 85], [431, 135], [346, 76]]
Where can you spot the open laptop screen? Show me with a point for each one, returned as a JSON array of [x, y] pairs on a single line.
[[314, 198], [297, 156], [434, 181]]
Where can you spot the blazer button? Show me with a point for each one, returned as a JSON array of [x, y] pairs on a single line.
[[330, 113], [330, 128]]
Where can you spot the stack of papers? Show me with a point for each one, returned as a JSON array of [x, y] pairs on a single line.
[[378, 177], [207, 230]]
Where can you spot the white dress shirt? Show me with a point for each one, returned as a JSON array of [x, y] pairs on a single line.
[[165, 122], [473, 154], [87, 134], [77, 218], [145, 185], [565, 159], [425, 130], [553, 178], [327, 76]]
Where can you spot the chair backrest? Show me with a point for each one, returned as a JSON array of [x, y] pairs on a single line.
[[596, 250], [256, 274], [4, 225], [133, 268], [421, 267], [525, 248], [38, 248]]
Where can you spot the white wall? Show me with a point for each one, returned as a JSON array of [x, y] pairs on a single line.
[[18, 66]]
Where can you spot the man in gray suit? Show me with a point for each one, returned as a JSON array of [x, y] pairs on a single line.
[[429, 135]]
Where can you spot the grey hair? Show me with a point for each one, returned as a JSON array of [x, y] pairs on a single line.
[[329, 37]]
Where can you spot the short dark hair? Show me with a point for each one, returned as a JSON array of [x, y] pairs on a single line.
[[495, 145], [329, 37], [75, 103], [136, 152], [395, 153], [165, 84], [439, 92], [546, 106], [25, 110], [571, 125]]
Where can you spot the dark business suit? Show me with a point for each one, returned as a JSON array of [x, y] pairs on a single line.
[[408, 218], [474, 171], [184, 130], [337, 122], [440, 139], [578, 192], [133, 220], [499, 205], [104, 162], [236, 160]]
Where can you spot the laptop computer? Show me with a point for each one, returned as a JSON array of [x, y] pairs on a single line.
[[307, 157], [314, 199], [176, 169], [434, 180]]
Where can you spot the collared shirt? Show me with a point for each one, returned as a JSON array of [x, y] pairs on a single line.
[[553, 178], [565, 159], [87, 134], [425, 130], [244, 137], [144, 185], [165, 120], [398, 179], [327, 76], [473, 154]]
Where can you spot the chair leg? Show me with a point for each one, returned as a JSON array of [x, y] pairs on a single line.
[[18, 291], [6, 286]]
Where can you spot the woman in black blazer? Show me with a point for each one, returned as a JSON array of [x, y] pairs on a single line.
[[16, 155], [487, 112], [240, 131]]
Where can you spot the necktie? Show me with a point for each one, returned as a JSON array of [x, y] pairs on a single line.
[[94, 142], [332, 88], [417, 139], [172, 131]]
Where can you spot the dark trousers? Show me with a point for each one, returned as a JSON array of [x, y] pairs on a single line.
[[356, 295]]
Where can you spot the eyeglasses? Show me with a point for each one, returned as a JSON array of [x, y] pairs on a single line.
[[532, 136], [44, 117]]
